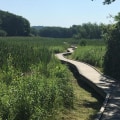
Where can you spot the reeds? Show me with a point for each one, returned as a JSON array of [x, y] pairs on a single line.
[[33, 83]]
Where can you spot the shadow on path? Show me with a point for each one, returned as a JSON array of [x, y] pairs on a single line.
[[81, 82]]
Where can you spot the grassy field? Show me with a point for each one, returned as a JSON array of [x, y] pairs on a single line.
[[35, 85], [93, 53]]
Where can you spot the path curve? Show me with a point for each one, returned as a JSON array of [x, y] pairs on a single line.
[[103, 85]]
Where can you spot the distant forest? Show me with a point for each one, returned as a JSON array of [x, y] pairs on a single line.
[[86, 30], [14, 25]]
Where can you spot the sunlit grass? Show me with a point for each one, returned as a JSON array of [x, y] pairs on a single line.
[[93, 55], [34, 83], [86, 106]]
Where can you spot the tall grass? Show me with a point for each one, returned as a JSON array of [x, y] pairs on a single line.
[[34, 96], [26, 51], [90, 54], [34, 85]]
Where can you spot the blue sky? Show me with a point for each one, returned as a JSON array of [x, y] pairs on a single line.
[[64, 13]]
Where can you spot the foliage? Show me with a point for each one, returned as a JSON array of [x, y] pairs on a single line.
[[93, 53], [83, 42], [28, 51], [3, 33], [36, 94], [14, 25], [33, 31], [45, 90], [117, 17], [112, 56], [56, 32], [86, 30], [108, 1]]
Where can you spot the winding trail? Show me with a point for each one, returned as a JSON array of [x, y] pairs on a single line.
[[103, 85]]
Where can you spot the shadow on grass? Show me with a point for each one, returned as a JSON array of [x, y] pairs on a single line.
[[90, 104], [84, 85]]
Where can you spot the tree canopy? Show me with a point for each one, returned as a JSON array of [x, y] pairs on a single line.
[[14, 25], [86, 30], [112, 56]]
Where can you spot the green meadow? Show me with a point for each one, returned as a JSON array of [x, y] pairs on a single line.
[[92, 53], [35, 85]]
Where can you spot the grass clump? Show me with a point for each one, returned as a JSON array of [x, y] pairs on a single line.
[[92, 55]]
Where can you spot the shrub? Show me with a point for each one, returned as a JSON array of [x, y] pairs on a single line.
[[83, 42], [92, 55], [112, 56]]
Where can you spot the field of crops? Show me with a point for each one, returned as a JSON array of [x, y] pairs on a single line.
[[34, 85]]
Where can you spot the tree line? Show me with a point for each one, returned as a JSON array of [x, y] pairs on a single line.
[[13, 25], [86, 30]]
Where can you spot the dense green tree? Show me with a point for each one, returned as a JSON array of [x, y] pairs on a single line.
[[86, 30], [56, 32], [108, 1], [14, 25], [112, 56], [3, 33], [33, 31]]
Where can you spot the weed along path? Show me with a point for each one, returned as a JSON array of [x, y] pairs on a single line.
[[103, 85]]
